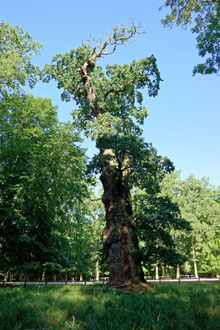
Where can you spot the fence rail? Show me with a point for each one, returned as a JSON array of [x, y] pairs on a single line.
[[183, 280], [25, 283]]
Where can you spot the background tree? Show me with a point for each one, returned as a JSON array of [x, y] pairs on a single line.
[[41, 178], [98, 224], [40, 158], [202, 210], [85, 236], [158, 221], [204, 15], [199, 204], [110, 111]]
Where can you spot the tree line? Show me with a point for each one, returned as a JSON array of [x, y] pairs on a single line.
[[52, 220]]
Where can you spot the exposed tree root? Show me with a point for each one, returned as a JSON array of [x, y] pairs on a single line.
[[135, 287]]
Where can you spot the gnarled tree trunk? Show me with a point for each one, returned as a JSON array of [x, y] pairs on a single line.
[[120, 234]]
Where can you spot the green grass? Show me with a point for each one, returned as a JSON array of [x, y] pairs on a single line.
[[171, 306]]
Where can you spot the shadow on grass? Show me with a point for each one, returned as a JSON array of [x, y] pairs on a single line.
[[171, 306]]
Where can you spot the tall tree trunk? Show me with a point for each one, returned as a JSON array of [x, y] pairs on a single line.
[[43, 276], [6, 276], [178, 271], [178, 266], [156, 272], [81, 276], [194, 259], [97, 271], [120, 235], [166, 272]]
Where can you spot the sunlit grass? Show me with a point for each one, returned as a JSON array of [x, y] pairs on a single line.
[[170, 306]]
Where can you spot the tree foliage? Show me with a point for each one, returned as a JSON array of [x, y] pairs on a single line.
[[198, 202], [41, 177], [16, 68], [110, 102], [204, 16], [110, 97], [157, 219]]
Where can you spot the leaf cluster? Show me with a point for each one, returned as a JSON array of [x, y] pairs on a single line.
[[198, 204], [39, 159], [157, 217], [117, 90], [16, 69], [204, 16]]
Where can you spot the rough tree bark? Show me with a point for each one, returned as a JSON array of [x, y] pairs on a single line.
[[120, 235]]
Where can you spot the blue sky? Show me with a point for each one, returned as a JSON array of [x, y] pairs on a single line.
[[183, 122]]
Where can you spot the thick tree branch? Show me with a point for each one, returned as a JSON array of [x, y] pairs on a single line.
[[120, 36]]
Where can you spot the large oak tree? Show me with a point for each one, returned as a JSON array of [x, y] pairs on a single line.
[[110, 110]]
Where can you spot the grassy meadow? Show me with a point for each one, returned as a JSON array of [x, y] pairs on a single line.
[[170, 306]]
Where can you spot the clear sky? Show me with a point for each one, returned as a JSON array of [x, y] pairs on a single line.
[[184, 119]]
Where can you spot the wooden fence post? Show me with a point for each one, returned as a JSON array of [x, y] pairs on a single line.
[[25, 281]]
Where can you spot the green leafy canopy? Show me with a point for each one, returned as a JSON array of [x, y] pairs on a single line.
[[204, 17], [116, 90], [16, 68]]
